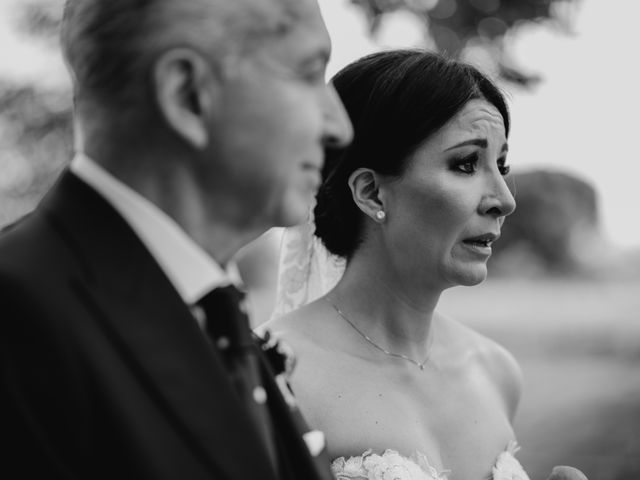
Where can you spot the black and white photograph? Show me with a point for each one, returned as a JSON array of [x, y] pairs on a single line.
[[319, 240]]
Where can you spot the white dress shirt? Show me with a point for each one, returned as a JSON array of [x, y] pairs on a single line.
[[190, 269]]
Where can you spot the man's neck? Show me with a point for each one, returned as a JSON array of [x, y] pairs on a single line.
[[213, 223]]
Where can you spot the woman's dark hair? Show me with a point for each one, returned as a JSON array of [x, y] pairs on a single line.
[[396, 100]]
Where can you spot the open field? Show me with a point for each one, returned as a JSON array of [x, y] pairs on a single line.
[[579, 346]]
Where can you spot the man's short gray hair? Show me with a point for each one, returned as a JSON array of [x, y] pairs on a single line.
[[110, 45]]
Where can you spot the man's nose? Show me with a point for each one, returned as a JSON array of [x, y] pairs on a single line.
[[338, 131]]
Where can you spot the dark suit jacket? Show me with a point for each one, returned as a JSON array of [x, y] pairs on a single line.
[[105, 374]]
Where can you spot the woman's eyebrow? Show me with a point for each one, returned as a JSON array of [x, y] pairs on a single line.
[[478, 142]]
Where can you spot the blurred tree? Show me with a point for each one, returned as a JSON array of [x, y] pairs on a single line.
[[455, 25], [554, 227], [40, 18], [35, 121], [35, 125]]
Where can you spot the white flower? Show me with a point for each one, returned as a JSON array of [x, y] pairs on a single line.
[[393, 466], [350, 468]]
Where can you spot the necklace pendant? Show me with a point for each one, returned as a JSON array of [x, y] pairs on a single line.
[[421, 365]]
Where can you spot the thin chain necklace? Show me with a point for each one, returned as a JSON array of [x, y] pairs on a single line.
[[420, 365]]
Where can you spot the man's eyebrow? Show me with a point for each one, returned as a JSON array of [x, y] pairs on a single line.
[[478, 142]]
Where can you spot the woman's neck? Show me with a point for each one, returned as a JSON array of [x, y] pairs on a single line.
[[395, 312]]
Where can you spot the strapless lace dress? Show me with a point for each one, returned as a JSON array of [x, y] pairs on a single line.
[[393, 466]]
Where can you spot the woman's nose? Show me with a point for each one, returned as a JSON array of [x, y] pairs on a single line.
[[499, 200]]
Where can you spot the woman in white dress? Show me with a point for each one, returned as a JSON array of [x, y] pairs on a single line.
[[411, 208]]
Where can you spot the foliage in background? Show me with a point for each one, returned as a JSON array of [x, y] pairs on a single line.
[[554, 228], [40, 18], [35, 131], [35, 123], [455, 26]]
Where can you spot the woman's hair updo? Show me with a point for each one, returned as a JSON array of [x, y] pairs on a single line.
[[396, 100]]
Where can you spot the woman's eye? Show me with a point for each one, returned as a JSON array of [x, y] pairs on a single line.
[[467, 165]]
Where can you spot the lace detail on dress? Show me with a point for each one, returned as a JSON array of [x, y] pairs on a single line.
[[507, 467], [393, 466], [388, 466]]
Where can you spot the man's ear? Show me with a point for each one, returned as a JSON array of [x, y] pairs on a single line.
[[186, 88], [365, 190]]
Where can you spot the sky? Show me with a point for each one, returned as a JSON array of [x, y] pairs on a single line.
[[582, 118]]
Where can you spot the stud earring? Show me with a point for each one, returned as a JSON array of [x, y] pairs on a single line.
[[381, 215]]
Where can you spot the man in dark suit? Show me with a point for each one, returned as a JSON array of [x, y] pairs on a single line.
[[124, 350]]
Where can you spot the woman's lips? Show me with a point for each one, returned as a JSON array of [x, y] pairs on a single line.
[[481, 244]]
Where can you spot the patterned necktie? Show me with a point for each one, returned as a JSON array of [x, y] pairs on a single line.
[[228, 327]]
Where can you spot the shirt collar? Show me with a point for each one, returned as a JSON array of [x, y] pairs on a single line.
[[189, 268]]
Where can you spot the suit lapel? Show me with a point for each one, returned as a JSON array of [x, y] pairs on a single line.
[[140, 311], [295, 458]]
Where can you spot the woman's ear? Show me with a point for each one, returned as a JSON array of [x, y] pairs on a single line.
[[365, 190], [185, 89]]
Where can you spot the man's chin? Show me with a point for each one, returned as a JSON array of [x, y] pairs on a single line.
[[289, 220], [292, 215]]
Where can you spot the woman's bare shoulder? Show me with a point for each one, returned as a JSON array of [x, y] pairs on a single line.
[[304, 328], [292, 323], [499, 364]]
